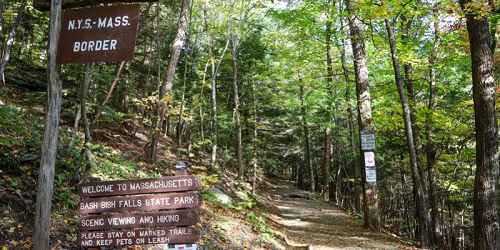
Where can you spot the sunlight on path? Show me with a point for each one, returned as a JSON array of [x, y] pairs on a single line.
[[319, 225]]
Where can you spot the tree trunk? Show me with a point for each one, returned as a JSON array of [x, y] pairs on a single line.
[[365, 120], [50, 139], [180, 116], [305, 129], [110, 91], [351, 126], [255, 146], [237, 118], [429, 124], [215, 70], [422, 214], [2, 8], [10, 41], [485, 215], [327, 153], [167, 84], [325, 165], [86, 152], [125, 101]]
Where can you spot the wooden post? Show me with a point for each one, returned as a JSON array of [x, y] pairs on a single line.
[[49, 146]]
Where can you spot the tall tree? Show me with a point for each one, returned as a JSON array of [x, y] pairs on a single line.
[[365, 120], [430, 149], [350, 117], [305, 130], [45, 181], [486, 226], [422, 208], [10, 40], [164, 96], [236, 111], [215, 65], [327, 149]]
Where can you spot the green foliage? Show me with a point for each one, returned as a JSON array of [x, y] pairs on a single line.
[[111, 165], [260, 225], [20, 136]]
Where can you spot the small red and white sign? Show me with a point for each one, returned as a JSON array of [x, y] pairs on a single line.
[[369, 159]]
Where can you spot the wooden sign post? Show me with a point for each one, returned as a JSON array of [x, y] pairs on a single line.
[[139, 212]]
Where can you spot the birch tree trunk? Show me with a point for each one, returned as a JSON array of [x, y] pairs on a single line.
[[422, 208], [237, 118], [50, 139], [10, 41], [213, 93], [486, 226], [167, 84], [365, 120]]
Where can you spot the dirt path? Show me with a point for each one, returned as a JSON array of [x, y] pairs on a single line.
[[313, 224]]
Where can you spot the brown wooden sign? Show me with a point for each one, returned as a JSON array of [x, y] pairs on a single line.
[[138, 237], [147, 186], [186, 217], [139, 203], [95, 34], [139, 212]]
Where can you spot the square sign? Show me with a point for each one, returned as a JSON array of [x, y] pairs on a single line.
[[98, 34], [369, 159], [367, 141], [371, 174]]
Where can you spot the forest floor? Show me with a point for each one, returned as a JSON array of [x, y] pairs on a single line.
[[307, 222]]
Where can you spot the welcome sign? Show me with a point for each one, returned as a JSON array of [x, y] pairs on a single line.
[[139, 212], [105, 34]]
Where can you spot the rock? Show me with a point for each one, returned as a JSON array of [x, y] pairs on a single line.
[[141, 136], [242, 195], [220, 196]]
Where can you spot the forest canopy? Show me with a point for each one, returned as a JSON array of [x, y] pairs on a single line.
[[291, 89]]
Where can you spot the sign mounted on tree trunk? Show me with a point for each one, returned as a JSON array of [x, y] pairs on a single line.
[[367, 141], [98, 34], [369, 159], [371, 174]]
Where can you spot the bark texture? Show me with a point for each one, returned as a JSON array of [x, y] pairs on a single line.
[[365, 120], [50, 139], [483, 86]]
